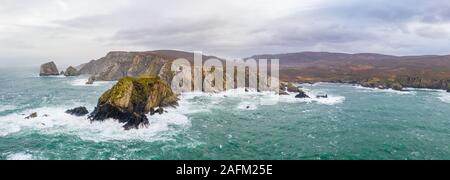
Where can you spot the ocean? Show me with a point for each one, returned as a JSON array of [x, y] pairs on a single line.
[[353, 123]]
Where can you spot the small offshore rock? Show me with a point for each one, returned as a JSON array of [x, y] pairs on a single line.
[[79, 111], [32, 115], [302, 94]]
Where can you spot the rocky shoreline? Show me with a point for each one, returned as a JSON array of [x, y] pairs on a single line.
[[144, 80]]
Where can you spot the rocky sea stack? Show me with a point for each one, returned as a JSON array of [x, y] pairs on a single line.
[[49, 69], [71, 71], [79, 111], [132, 98], [301, 94]]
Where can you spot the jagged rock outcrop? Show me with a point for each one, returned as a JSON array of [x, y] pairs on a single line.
[[32, 115], [49, 69], [71, 71], [116, 65], [79, 111], [302, 94], [132, 98], [91, 80]]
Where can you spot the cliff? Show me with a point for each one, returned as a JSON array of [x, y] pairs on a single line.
[[119, 64], [370, 70]]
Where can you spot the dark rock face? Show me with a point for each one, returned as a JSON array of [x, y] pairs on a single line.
[[49, 69], [79, 111], [160, 111], [322, 96], [32, 115], [71, 71], [132, 120], [302, 94], [132, 98], [157, 111]]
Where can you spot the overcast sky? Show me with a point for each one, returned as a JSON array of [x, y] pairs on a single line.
[[76, 31]]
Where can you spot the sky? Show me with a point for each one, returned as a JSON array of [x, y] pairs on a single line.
[[71, 32]]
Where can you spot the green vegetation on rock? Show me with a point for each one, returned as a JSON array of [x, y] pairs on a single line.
[[132, 98]]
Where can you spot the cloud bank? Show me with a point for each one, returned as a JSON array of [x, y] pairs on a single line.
[[75, 31]]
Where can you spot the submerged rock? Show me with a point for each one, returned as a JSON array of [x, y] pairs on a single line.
[[302, 94], [71, 71], [132, 98], [79, 111], [160, 111], [49, 69], [32, 115]]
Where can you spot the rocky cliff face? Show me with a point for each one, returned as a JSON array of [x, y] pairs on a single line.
[[370, 70], [49, 69], [132, 98], [116, 65]]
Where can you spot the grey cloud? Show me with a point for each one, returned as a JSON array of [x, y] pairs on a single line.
[[230, 28]]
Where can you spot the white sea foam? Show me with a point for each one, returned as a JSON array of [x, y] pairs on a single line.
[[444, 96], [332, 99], [252, 99], [82, 82], [19, 156], [368, 89], [161, 127]]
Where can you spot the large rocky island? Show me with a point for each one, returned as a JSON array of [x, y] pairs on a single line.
[[49, 69], [132, 98]]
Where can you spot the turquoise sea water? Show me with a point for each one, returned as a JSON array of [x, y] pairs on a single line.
[[354, 123]]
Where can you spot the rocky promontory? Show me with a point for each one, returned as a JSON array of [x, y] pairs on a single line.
[[71, 71], [132, 98], [49, 69]]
